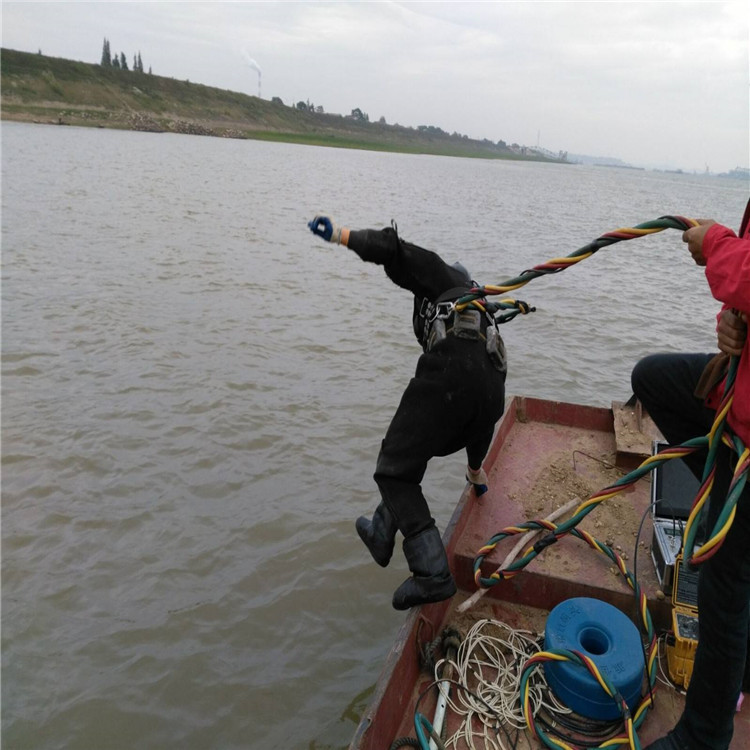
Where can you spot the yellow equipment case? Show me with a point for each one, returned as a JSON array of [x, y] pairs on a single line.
[[683, 641]]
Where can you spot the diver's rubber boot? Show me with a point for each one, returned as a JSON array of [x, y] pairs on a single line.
[[379, 535], [431, 580]]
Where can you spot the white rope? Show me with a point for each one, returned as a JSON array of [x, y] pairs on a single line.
[[489, 664]]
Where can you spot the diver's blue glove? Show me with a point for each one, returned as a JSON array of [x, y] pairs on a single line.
[[325, 228], [478, 479]]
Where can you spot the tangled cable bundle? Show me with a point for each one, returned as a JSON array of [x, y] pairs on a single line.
[[631, 722], [497, 685], [488, 665]]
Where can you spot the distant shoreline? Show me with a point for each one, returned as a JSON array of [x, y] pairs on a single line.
[[141, 122], [50, 90]]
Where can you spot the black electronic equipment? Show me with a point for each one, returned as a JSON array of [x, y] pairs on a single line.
[[673, 487], [673, 490]]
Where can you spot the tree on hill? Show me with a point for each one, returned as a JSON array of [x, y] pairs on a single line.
[[106, 55], [119, 61]]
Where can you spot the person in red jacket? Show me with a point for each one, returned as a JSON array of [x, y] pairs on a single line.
[[681, 393]]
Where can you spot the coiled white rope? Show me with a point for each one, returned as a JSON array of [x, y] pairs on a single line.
[[488, 664]]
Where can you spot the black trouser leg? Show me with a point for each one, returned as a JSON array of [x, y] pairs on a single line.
[[476, 450], [450, 404], [419, 430], [664, 384], [724, 621]]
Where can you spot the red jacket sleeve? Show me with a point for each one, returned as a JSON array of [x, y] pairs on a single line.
[[728, 267]]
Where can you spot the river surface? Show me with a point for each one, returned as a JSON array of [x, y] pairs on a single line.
[[194, 390]]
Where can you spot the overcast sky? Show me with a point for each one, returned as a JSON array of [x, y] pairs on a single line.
[[662, 84]]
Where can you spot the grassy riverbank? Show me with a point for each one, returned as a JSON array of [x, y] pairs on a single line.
[[37, 88]]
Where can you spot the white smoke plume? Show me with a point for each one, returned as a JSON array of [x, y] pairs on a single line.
[[254, 65]]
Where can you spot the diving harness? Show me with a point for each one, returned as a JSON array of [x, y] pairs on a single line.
[[443, 318]]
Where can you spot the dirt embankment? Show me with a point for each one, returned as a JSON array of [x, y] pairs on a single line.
[[37, 88]]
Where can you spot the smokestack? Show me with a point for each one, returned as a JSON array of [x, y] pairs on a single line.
[[254, 65]]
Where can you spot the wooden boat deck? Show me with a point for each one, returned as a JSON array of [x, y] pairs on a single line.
[[544, 454]]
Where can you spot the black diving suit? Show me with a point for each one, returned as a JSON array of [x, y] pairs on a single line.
[[457, 393]]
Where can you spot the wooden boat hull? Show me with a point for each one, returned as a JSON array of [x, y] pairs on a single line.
[[544, 453]]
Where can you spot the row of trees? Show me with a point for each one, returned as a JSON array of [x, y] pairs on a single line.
[[308, 106], [120, 61], [359, 115]]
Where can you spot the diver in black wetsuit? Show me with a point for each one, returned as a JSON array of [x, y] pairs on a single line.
[[453, 401]]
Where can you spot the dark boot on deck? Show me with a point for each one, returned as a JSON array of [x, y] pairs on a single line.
[[431, 580], [379, 534]]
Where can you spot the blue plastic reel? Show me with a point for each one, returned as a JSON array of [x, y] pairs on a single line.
[[608, 637]]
